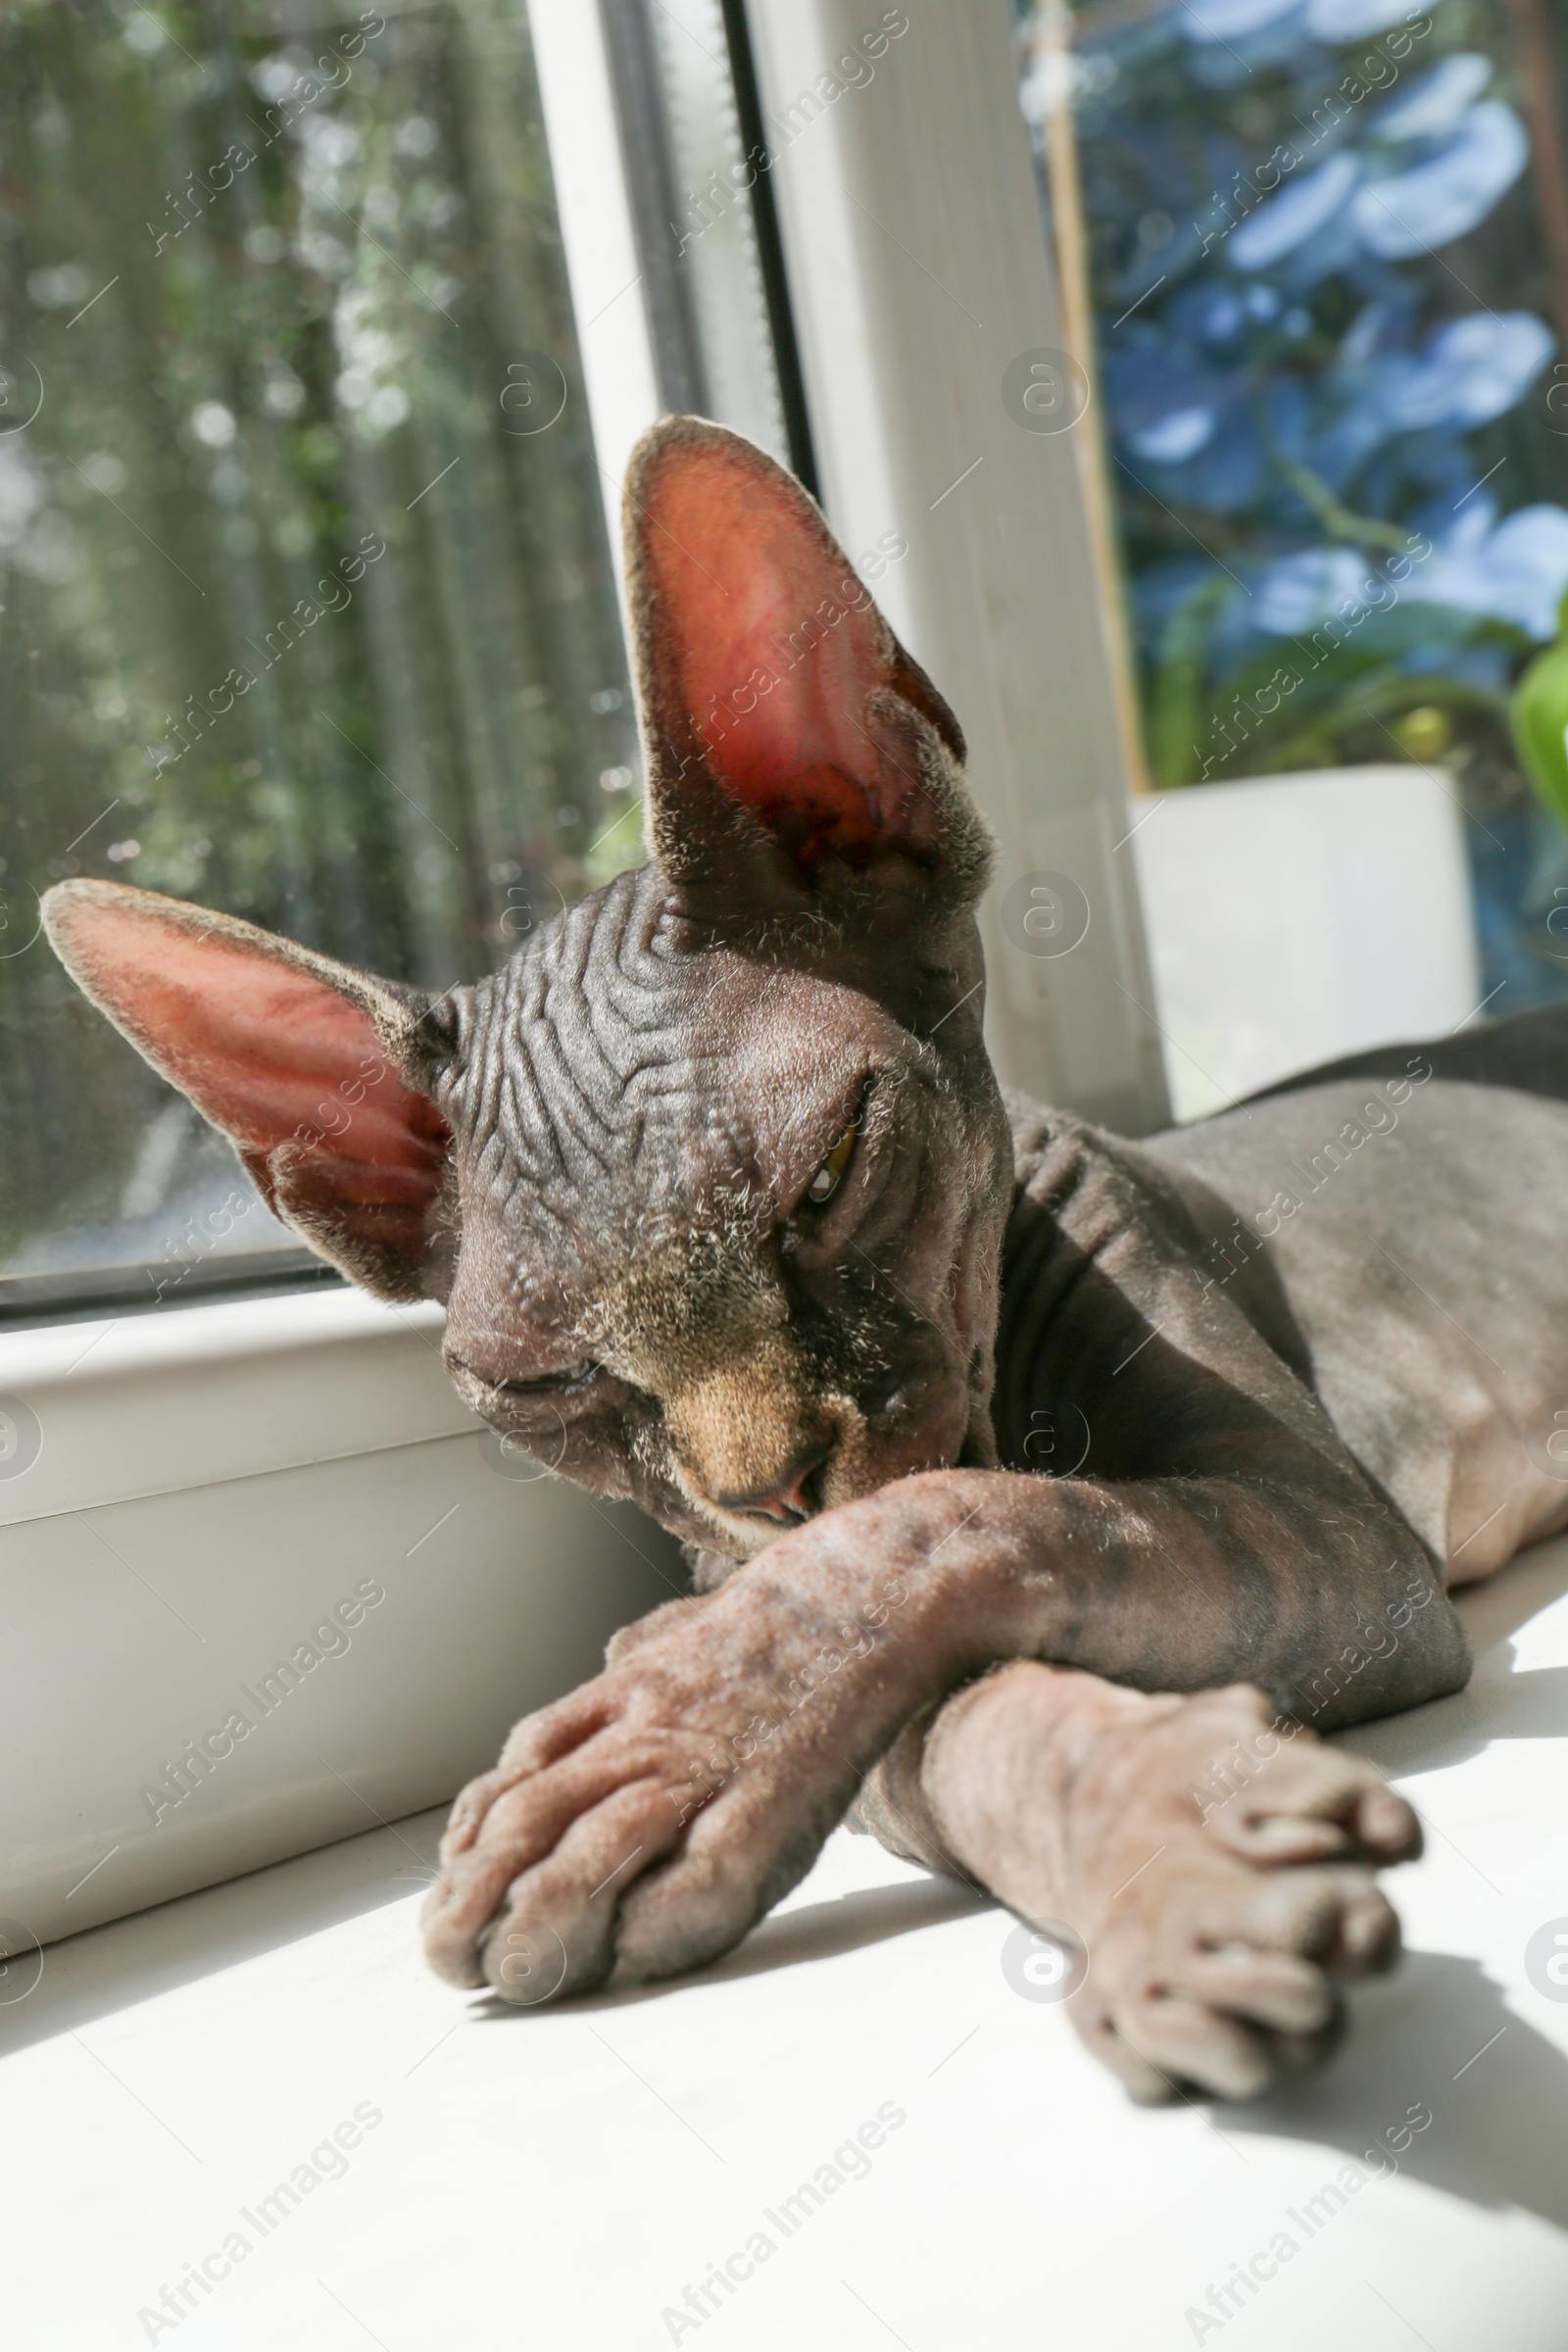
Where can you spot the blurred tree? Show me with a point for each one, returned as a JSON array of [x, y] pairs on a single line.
[[309, 610]]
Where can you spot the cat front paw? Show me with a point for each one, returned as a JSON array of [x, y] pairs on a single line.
[[640, 1826]]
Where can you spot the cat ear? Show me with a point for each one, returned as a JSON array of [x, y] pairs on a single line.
[[302, 1062], [779, 709]]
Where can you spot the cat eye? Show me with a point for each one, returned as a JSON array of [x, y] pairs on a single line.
[[825, 1183]]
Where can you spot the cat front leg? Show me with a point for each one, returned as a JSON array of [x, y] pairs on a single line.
[[642, 1824], [1214, 1864]]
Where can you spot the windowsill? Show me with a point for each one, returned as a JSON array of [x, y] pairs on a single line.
[[193, 1397], [211, 1488], [97, 1293], [595, 2162]]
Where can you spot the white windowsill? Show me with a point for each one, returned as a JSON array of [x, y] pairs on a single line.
[[213, 1483], [191, 1397], [593, 2162]]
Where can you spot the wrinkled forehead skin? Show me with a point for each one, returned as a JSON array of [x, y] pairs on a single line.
[[628, 1094]]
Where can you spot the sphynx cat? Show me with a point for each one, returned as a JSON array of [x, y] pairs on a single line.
[[731, 1218]]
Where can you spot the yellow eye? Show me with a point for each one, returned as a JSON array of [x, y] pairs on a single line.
[[825, 1183]]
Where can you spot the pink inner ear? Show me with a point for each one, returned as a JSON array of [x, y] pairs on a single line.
[[776, 648], [267, 1051]]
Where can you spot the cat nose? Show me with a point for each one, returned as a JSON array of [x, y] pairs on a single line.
[[789, 1501]]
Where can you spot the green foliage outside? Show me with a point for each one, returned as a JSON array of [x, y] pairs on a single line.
[[309, 611]]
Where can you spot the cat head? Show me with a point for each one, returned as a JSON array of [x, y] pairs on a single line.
[[712, 1176]]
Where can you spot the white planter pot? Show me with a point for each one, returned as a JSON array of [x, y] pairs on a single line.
[[1294, 918]]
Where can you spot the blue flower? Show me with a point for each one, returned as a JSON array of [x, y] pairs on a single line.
[[1303, 209], [1472, 370], [1351, 19], [1155, 374], [1189, 420], [1176, 437], [1446, 196], [1232, 20], [1514, 571], [1434, 107], [1220, 317], [1298, 593]]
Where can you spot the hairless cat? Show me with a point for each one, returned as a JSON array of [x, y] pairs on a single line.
[[730, 1218]]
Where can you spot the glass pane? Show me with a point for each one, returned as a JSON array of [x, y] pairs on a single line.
[[309, 610], [711, 222], [1322, 279]]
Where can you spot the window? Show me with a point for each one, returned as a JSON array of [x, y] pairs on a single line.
[[630, 206], [1316, 253], [309, 582]]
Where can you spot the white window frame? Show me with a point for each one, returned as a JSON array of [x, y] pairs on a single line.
[[887, 255], [229, 1408]]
